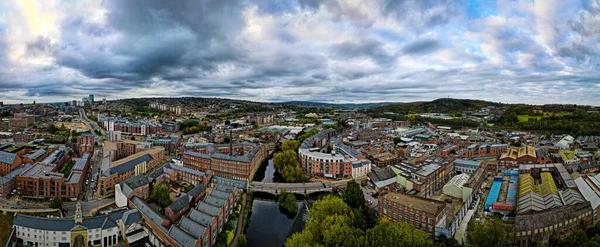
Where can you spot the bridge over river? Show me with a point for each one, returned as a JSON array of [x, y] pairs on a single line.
[[298, 188]]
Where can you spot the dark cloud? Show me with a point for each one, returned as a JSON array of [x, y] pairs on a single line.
[[160, 37], [422, 46], [364, 48], [301, 50]]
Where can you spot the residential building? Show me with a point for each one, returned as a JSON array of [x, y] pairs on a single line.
[[85, 143], [133, 165], [105, 230], [42, 181], [422, 213], [8, 162], [21, 121], [20, 137], [239, 164], [8, 182]]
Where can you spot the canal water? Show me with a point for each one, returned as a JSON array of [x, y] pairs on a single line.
[[268, 226]]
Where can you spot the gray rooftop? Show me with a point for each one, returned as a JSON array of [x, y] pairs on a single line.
[[195, 229], [80, 163], [180, 203], [217, 202], [7, 158], [36, 154], [201, 218], [208, 209], [127, 166], [15, 172], [155, 217], [181, 236], [42, 223], [220, 194], [196, 191]]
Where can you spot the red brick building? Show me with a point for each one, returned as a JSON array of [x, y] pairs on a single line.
[[241, 165], [8, 162], [85, 143], [422, 213]]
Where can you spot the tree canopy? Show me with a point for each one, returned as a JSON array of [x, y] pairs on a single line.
[[56, 203], [290, 145], [332, 223], [287, 165], [353, 195], [287, 201], [492, 232], [160, 194]]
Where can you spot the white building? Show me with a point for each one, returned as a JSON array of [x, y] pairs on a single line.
[[455, 187], [105, 230], [361, 168]]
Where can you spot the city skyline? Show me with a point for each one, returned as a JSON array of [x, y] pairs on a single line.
[[521, 51]]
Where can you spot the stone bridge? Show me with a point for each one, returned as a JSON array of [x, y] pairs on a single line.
[[298, 188]]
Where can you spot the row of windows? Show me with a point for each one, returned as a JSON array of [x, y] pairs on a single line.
[[553, 227]]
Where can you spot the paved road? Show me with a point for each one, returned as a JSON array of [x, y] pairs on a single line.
[[93, 174], [238, 230], [86, 206], [368, 192]]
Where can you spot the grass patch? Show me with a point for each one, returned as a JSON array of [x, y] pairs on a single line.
[[525, 118], [6, 226]]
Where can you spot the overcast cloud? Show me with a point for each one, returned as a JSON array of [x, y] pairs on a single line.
[[330, 51]]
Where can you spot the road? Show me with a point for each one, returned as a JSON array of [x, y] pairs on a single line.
[[92, 125], [368, 193], [93, 174], [86, 206]]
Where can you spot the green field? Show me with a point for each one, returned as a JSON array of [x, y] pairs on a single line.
[[525, 118]]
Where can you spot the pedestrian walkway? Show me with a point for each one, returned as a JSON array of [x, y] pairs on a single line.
[[238, 230]]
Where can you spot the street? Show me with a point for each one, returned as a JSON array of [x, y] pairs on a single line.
[[93, 174], [86, 206], [368, 192]]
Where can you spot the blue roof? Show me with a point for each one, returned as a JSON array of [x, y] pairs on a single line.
[[494, 193]]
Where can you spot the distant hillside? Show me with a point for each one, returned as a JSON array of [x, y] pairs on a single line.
[[331, 105], [445, 105]]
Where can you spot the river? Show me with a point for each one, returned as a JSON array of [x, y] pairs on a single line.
[[268, 226]]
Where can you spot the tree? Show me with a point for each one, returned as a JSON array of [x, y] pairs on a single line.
[[290, 145], [242, 241], [52, 129], [397, 140], [328, 126], [56, 203], [285, 158], [293, 174], [160, 194], [396, 234], [353, 195], [331, 223], [493, 232], [287, 201], [287, 165]]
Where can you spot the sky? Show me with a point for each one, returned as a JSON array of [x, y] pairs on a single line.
[[516, 51]]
